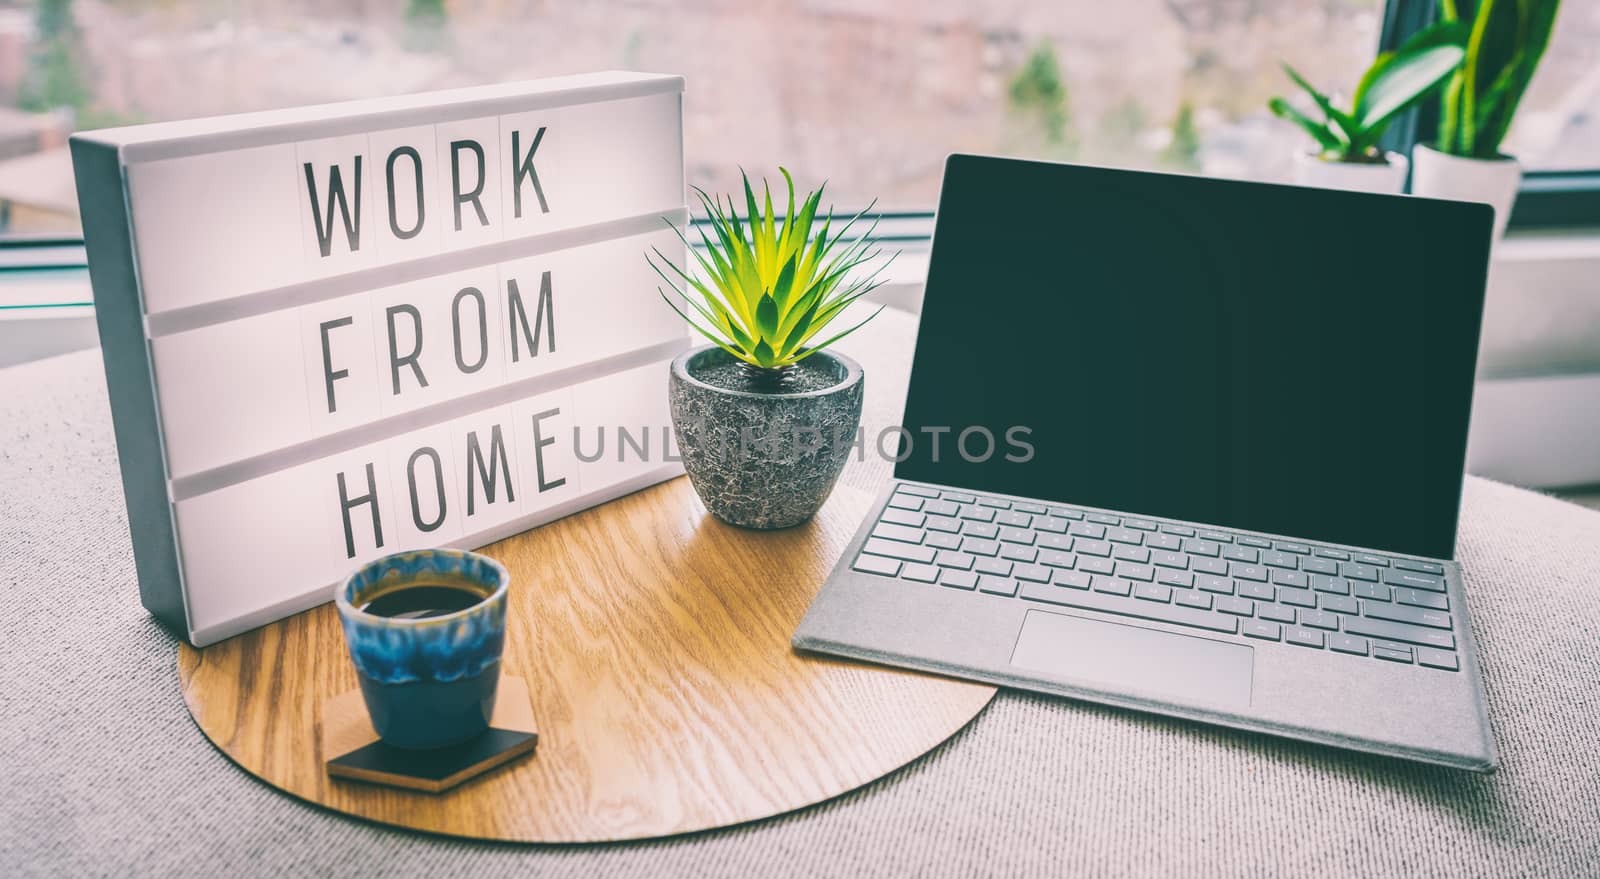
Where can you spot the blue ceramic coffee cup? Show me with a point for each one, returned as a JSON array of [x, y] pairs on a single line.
[[429, 681]]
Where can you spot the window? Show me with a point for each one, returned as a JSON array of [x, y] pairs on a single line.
[[870, 94]]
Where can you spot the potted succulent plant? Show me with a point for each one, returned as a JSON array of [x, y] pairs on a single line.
[[1347, 154], [1505, 41], [763, 417]]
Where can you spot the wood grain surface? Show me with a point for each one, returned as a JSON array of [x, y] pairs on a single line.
[[655, 643]]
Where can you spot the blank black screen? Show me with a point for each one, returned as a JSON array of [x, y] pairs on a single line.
[[1271, 358]]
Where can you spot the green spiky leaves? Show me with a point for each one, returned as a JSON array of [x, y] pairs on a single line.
[[766, 288]]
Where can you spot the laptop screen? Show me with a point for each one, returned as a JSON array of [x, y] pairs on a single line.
[[1271, 358]]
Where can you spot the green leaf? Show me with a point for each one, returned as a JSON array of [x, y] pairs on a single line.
[[764, 356], [767, 317], [781, 288], [1319, 131], [815, 348], [1341, 125], [1404, 81]]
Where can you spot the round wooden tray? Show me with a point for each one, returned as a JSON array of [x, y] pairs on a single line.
[[655, 643]]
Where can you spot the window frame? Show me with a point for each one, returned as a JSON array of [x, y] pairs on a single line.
[[1547, 199]]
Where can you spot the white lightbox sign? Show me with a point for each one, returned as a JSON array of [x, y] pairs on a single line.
[[341, 331]]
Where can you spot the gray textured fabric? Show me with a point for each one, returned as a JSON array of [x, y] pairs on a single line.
[[102, 771]]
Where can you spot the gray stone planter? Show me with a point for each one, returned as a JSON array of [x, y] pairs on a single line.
[[764, 452]]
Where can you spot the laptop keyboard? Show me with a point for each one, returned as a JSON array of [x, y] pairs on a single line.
[[1356, 604]]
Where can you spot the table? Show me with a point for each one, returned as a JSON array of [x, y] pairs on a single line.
[[103, 771]]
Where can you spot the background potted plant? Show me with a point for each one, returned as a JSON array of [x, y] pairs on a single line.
[[1348, 155], [1505, 41], [764, 418]]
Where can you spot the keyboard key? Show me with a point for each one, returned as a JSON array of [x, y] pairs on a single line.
[[1320, 619], [1203, 565], [1193, 599], [1140, 524], [1034, 509], [1319, 566], [1303, 636], [1193, 546], [895, 549], [958, 497], [905, 502], [994, 503], [1169, 542], [1297, 598], [1413, 580], [920, 573], [1236, 606], [1341, 604], [919, 490], [1056, 558], [943, 523], [993, 567], [997, 585], [1248, 572], [942, 508], [1401, 613], [1241, 554], [979, 546], [1087, 529], [1051, 525], [943, 541], [958, 579], [1259, 629], [1332, 554], [977, 514], [1032, 573], [1018, 553], [1072, 579], [1064, 513], [891, 531], [1112, 586], [1371, 591], [1367, 558], [952, 559], [1094, 547], [1258, 591], [1180, 530], [1176, 579], [1391, 655], [1131, 553], [1131, 571], [1055, 541], [1125, 535], [1152, 592], [1017, 535], [1213, 583], [1216, 536], [1279, 559], [871, 564], [1390, 631], [1419, 567], [1348, 644], [1358, 571], [1418, 598], [1167, 559], [1336, 585], [1437, 659], [1096, 566], [985, 530], [1149, 610], [1296, 548], [1104, 518], [1293, 579], [1256, 542], [1014, 519], [903, 517], [1276, 612]]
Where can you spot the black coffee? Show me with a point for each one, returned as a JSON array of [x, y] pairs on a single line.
[[423, 599]]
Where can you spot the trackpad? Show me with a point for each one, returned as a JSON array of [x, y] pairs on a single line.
[[1136, 661]]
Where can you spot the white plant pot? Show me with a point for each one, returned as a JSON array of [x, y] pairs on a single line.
[[1309, 170], [1491, 181]]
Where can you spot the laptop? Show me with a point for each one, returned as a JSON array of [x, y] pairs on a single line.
[[1188, 446]]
